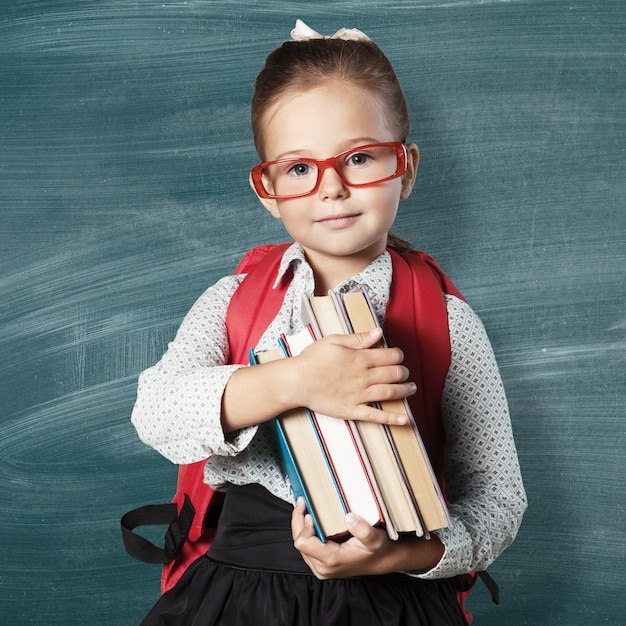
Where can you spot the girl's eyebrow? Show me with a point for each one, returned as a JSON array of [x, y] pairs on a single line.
[[343, 146]]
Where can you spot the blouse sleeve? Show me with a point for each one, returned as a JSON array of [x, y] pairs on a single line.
[[178, 404], [483, 479]]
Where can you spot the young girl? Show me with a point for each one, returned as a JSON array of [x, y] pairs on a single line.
[[318, 98]]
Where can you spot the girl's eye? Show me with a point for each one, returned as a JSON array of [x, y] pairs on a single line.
[[358, 158], [300, 169]]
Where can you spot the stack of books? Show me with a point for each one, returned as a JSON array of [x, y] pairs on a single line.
[[380, 472]]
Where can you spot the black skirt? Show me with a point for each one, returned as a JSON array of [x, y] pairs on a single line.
[[253, 576]]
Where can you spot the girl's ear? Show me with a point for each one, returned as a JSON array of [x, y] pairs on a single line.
[[268, 203], [408, 179]]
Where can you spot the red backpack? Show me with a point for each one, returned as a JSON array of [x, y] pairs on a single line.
[[416, 319]]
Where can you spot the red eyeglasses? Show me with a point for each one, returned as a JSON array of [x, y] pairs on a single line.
[[358, 167]]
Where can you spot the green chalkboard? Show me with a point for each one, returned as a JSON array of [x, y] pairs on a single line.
[[124, 156]]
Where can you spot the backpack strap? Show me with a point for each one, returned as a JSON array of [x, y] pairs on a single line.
[[464, 583], [157, 515], [252, 307], [417, 303], [257, 301], [417, 321]]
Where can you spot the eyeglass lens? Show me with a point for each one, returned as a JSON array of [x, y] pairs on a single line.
[[362, 166]]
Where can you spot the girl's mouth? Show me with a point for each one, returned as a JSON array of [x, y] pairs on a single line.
[[336, 222]]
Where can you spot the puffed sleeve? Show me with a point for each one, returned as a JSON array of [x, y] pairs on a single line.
[[178, 404], [483, 479]]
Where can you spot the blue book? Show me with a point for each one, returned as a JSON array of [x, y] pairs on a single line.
[[306, 464]]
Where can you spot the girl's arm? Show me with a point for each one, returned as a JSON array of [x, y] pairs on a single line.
[[336, 376], [178, 404], [483, 478], [191, 405]]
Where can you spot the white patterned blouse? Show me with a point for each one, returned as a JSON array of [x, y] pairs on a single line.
[[177, 412]]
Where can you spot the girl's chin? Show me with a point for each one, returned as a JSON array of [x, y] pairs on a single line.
[[345, 250]]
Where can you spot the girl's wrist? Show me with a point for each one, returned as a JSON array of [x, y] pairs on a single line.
[[415, 554], [292, 383]]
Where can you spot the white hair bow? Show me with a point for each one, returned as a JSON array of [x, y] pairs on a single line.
[[303, 33]]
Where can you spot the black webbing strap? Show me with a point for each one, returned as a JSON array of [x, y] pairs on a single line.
[[491, 584], [464, 582], [157, 515]]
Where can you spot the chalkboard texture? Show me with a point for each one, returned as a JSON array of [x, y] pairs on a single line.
[[124, 156]]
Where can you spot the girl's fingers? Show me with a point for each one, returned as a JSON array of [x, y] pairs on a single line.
[[363, 340], [388, 374], [372, 414], [344, 381], [377, 355]]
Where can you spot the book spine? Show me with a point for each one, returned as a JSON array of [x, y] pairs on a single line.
[[297, 484], [424, 488], [288, 460], [329, 461]]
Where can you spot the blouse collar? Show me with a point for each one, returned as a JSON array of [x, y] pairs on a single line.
[[376, 277]]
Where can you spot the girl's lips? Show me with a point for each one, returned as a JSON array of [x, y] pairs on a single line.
[[337, 222]]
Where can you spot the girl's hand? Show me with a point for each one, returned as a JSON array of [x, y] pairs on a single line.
[[369, 551], [341, 375]]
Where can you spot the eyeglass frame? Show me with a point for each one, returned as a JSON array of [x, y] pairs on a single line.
[[324, 164]]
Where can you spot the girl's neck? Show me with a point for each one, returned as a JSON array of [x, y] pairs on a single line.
[[331, 272]]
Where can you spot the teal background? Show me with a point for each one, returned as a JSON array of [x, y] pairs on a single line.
[[124, 153]]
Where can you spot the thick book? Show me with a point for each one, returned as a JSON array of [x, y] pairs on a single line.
[[407, 441], [306, 464]]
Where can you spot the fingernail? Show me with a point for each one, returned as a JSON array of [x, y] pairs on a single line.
[[413, 388], [401, 420], [351, 520]]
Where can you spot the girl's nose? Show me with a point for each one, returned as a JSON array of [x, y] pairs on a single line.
[[331, 186]]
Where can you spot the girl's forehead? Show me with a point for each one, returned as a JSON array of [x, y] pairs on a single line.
[[322, 118], [324, 94]]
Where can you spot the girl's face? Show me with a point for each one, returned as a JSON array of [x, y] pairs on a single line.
[[341, 228]]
